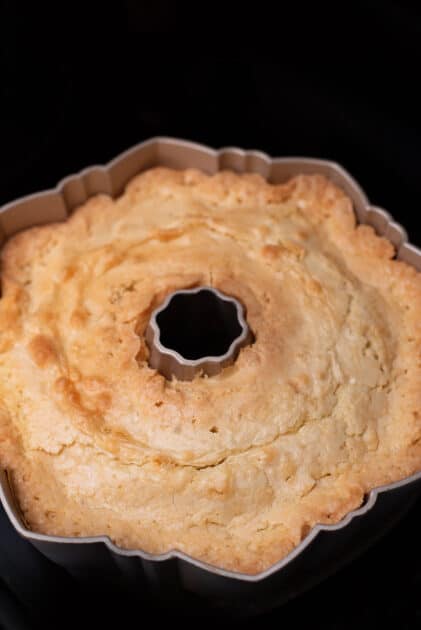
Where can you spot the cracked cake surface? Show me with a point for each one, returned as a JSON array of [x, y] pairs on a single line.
[[234, 469]]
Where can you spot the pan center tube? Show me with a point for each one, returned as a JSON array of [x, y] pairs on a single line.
[[196, 331]]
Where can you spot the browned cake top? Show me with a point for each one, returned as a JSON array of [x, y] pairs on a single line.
[[235, 468]]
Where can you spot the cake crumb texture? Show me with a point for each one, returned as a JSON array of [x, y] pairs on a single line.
[[233, 469]]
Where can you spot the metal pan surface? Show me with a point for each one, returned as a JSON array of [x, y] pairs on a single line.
[[176, 575]]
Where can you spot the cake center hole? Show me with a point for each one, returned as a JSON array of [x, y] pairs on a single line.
[[198, 325]]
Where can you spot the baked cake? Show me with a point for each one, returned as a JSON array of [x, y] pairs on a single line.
[[233, 469]]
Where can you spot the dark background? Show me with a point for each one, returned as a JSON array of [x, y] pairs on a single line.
[[80, 85]]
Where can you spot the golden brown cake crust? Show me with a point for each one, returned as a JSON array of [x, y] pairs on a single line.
[[233, 469]]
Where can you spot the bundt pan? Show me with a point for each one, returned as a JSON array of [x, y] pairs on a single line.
[[175, 575]]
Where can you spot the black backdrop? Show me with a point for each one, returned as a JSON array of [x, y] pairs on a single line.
[[338, 83]]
